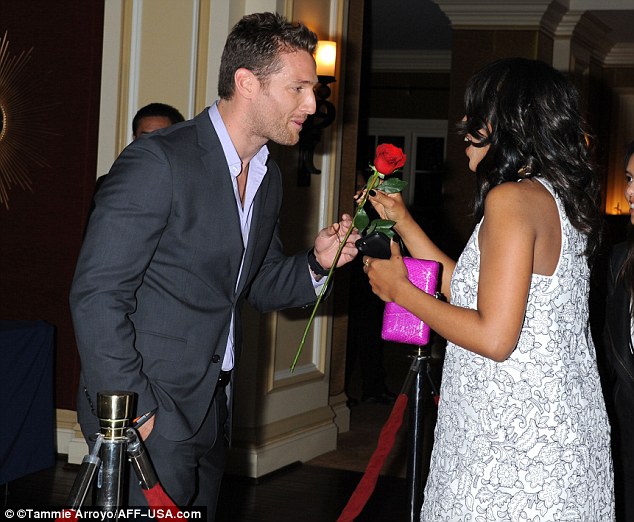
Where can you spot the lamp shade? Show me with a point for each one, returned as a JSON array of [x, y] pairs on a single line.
[[326, 58]]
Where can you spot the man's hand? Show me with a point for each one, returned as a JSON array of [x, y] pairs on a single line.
[[146, 428], [328, 240]]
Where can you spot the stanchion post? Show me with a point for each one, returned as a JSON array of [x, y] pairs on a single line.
[[415, 433], [114, 409]]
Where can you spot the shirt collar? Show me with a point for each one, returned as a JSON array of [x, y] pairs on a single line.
[[233, 159]]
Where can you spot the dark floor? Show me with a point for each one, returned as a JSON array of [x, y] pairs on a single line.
[[316, 491], [299, 492]]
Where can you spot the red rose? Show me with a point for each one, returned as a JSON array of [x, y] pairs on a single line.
[[388, 158]]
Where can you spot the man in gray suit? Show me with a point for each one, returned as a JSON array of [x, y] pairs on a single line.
[[184, 230]]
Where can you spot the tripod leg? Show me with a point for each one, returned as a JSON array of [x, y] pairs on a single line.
[[412, 375], [140, 461], [85, 476], [432, 384]]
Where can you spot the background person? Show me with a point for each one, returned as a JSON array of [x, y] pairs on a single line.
[[522, 430], [149, 118], [185, 229], [154, 116], [618, 339]]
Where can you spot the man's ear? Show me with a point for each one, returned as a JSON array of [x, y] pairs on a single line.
[[247, 84]]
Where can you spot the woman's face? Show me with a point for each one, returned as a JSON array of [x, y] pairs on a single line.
[[629, 186], [475, 154]]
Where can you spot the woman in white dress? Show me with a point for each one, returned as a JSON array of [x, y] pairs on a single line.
[[522, 431]]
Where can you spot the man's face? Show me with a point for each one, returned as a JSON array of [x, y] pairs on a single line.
[[150, 124], [287, 98]]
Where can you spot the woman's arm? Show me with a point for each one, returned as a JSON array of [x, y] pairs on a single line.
[[418, 243], [507, 242]]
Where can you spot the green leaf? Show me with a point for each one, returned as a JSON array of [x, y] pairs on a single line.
[[392, 185], [384, 226], [361, 220], [381, 225]]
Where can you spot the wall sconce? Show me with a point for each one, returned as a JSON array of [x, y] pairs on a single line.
[[326, 59], [615, 201]]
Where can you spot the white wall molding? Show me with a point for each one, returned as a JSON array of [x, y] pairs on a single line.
[[68, 435], [300, 447]]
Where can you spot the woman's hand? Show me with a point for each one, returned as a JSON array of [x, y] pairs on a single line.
[[389, 206], [387, 277]]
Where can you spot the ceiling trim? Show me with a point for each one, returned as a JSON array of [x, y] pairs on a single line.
[[519, 13], [621, 55], [592, 5], [408, 60]]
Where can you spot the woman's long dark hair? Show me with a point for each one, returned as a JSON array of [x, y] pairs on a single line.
[[535, 129], [626, 274]]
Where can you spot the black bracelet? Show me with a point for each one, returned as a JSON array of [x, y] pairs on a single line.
[[314, 264]]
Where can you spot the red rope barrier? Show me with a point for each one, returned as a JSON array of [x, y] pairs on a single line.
[[367, 483], [70, 517], [161, 504]]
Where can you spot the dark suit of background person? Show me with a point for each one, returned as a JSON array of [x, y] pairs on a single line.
[[163, 269], [619, 352], [621, 361]]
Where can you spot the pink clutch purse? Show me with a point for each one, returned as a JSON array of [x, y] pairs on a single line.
[[401, 326]]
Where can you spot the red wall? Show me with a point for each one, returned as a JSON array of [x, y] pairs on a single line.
[[41, 233]]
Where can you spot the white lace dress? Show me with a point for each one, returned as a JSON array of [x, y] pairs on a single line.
[[526, 439]]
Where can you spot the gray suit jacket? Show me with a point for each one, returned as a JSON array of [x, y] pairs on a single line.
[[155, 283]]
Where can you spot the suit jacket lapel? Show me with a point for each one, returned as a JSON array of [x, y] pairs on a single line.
[[256, 221], [223, 198]]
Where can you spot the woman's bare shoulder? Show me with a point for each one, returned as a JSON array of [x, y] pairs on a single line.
[[527, 195]]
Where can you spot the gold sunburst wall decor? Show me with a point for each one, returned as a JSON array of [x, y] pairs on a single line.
[[22, 128]]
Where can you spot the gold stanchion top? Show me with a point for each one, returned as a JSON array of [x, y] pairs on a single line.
[[114, 409]]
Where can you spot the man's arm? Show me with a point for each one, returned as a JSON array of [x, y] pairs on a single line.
[[282, 281], [131, 211], [285, 282]]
